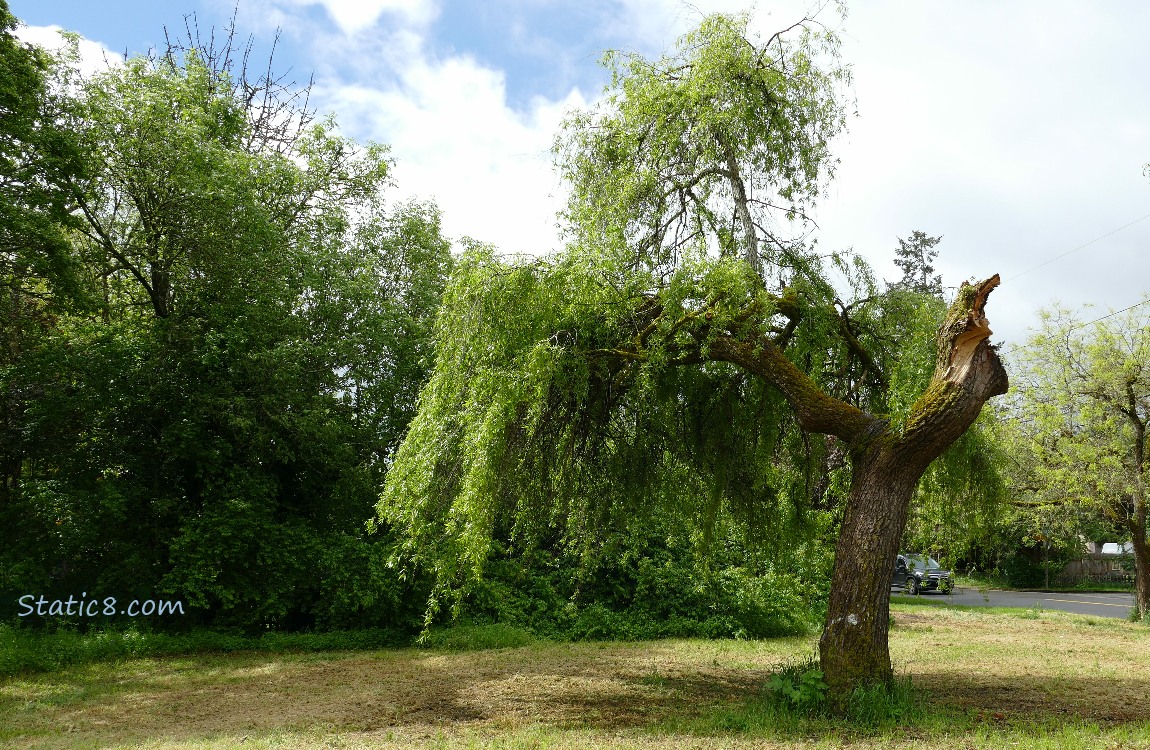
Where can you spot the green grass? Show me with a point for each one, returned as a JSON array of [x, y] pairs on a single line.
[[478, 637], [980, 581], [24, 651], [966, 678]]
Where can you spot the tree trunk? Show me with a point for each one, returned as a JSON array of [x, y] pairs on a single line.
[[853, 649], [1141, 574], [887, 461], [1137, 522]]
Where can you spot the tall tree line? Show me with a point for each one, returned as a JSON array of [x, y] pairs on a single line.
[[215, 326]]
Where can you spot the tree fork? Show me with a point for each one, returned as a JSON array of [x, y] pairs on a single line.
[[854, 647], [887, 461]]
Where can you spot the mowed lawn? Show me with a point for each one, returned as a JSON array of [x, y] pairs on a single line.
[[988, 679]]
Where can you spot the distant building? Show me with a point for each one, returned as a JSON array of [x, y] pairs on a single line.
[[1103, 563]]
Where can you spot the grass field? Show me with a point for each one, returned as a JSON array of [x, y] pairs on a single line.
[[987, 679]]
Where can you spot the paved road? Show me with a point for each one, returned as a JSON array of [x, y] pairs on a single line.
[[1099, 605]]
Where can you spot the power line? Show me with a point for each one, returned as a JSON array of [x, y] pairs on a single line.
[[1091, 242], [1111, 315]]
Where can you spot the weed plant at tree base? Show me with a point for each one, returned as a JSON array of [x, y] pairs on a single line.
[[798, 689]]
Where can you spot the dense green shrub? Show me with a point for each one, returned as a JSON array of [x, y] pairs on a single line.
[[1025, 568], [644, 586]]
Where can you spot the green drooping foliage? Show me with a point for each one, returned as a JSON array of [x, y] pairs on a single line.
[[726, 139], [584, 397], [649, 579], [958, 508], [216, 427], [519, 427]]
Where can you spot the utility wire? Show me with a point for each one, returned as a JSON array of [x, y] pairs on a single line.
[[1068, 252], [1111, 315]]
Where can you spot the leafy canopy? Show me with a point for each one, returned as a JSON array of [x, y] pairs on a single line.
[[580, 392], [37, 158], [709, 149], [1083, 408], [217, 427]]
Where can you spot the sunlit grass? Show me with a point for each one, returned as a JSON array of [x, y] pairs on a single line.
[[980, 680]]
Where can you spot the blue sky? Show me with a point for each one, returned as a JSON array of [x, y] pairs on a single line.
[[1017, 131], [544, 48]]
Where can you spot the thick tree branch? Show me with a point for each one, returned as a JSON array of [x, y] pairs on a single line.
[[967, 373], [816, 411]]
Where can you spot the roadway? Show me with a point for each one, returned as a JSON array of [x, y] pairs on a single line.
[[1100, 605]]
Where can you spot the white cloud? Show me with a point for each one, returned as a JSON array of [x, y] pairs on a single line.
[[354, 16], [457, 141], [94, 57]]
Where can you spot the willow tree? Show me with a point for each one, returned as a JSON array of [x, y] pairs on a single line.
[[680, 351]]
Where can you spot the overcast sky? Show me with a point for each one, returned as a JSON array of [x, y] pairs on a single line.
[[1018, 131]]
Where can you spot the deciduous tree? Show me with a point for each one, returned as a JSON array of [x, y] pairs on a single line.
[[262, 327], [663, 359], [39, 269], [38, 156], [1085, 399]]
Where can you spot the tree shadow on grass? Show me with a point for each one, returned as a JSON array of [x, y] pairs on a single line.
[[586, 687], [633, 688], [951, 704], [1102, 700]]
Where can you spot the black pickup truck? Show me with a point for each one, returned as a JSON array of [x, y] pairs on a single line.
[[917, 573]]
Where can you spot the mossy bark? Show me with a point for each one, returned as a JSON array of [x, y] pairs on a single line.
[[888, 461], [853, 649]]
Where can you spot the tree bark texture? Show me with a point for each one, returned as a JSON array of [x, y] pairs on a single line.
[[854, 648], [1141, 573], [887, 461], [1137, 528]]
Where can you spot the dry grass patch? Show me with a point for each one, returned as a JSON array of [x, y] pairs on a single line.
[[1028, 667], [991, 678]]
